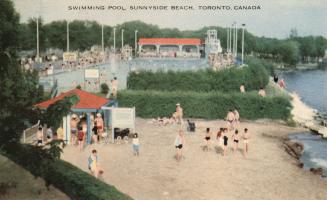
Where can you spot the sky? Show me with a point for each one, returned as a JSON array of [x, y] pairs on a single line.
[[275, 18]]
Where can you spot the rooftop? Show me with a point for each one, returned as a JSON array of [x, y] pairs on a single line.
[[86, 100]]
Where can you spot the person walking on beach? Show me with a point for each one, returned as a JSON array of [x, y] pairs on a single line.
[[282, 84], [179, 143], [246, 138], [73, 128], [136, 144], [225, 138], [93, 164], [236, 139], [230, 120], [207, 138]]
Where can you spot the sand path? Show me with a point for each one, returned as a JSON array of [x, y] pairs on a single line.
[[267, 173]]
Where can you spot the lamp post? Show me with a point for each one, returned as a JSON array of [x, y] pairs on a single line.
[[227, 48], [135, 44], [236, 33], [114, 40], [102, 41], [230, 39], [37, 40], [122, 39], [243, 26], [67, 36]]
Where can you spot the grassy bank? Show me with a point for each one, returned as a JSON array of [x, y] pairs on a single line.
[[254, 76], [213, 105], [71, 180]]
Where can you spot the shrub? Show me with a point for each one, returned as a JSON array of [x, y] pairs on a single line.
[[254, 76], [76, 183], [79, 87], [104, 88], [211, 105]]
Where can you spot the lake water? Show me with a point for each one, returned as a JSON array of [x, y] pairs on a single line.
[[311, 85]]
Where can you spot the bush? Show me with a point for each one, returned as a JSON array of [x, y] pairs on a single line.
[[211, 105], [254, 76], [79, 87], [104, 88], [76, 183]]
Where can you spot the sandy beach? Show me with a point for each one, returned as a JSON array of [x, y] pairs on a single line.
[[267, 173]]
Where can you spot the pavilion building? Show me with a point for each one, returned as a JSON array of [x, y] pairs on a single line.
[[169, 47]]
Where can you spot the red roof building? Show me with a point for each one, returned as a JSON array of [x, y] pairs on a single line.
[[86, 100], [169, 41]]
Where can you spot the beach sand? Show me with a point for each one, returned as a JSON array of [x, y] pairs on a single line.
[[268, 172]]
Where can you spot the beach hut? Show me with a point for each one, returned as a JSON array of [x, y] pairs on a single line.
[[88, 103]]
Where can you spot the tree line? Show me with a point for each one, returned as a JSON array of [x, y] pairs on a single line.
[[84, 34]]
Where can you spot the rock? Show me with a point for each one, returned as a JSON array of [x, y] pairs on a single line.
[[317, 171], [294, 149], [301, 165]]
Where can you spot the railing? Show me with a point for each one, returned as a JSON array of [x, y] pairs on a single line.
[[30, 132]]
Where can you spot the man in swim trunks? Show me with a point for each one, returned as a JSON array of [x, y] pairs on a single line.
[[178, 115], [73, 128], [207, 138], [230, 120]]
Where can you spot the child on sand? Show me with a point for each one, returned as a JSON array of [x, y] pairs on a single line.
[[236, 139], [246, 138], [207, 138], [225, 137], [136, 144], [93, 164], [179, 142], [220, 137]]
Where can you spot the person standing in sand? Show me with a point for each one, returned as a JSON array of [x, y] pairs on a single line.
[[99, 123], [236, 139], [93, 164], [246, 138], [207, 138], [237, 117], [80, 137], [220, 137], [179, 143], [225, 138], [230, 118], [178, 114], [136, 144], [73, 128]]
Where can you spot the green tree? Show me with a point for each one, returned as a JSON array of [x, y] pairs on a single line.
[[19, 89]]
